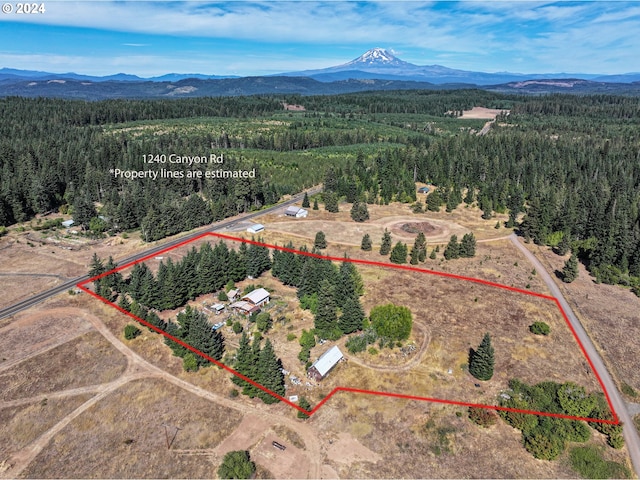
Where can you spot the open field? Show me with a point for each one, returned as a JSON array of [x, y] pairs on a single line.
[[610, 315], [132, 442], [353, 435]]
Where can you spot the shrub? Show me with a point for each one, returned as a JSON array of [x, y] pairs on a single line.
[[543, 446], [373, 351], [291, 337], [189, 363], [237, 328], [482, 416], [539, 328], [588, 462], [234, 393], [237, 464], [222, 296], [391, 321], [131, 332]]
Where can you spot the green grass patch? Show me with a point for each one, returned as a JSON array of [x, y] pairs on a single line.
[[588, 462]]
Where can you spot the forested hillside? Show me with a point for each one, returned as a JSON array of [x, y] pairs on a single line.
[[571, 163]]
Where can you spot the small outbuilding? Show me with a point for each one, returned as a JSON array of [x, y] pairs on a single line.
[[325, 363], [67, 223], [423, 190], [245, 308], [258, 227], [296, 212], [232, 295]]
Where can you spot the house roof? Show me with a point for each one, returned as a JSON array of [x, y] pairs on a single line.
[[327, 360], [245, 306], [257, 296], [234, 292], [255, 228], [292, 210]]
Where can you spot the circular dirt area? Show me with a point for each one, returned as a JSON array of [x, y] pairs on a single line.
[[413, 228]]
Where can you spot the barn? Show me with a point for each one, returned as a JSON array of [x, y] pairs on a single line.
[[258, 227], [296, 212], [325, 363]]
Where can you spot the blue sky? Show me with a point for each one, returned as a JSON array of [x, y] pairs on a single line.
[[148, 38]]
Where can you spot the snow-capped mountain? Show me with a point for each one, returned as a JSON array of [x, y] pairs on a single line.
[[377, 57], [381, 64]]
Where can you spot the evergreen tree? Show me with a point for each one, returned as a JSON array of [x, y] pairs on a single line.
[[413, 256], [201, 337], [83, 211], [320, 241], [304, 403], [326, 318], [352, 317], [434, 200], [360, 212], [315, 204], [366, 243], [330, 202], [467, 245], [243, 362], [305, 201], [570, 269], [385, 246], [481, 361], [399, 253], [564, 245], [432, 255], [270, 374], [420, 244], [452, 250]]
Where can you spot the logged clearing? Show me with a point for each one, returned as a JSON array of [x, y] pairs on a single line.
[[482, 113]]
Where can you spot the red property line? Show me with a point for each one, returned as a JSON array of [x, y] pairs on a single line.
[[616, 421]]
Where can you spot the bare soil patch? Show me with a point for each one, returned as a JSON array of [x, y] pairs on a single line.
[[23, 424], [86, 360], [482, 113], [131, 442], [609, 313]]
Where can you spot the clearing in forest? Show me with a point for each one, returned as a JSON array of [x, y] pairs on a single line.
[[451, 313]]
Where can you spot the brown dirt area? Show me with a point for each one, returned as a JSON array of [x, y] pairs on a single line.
[[131, 442], [609, 313], [481, 113]]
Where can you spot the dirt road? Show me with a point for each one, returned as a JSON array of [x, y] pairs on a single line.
[[631, 437], [138, 368]]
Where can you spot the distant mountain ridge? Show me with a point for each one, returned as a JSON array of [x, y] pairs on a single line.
[[376, 69]]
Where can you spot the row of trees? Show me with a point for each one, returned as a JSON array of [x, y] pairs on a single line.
[[200, 271], [330, 292], [261, 365]]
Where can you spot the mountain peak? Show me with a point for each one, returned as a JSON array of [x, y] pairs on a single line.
[[376, 57]]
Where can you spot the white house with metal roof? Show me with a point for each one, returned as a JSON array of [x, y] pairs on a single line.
[[257, 297], [296, 212], [325, 363]]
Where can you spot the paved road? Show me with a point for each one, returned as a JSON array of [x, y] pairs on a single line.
[[29, 302], [631, 437]]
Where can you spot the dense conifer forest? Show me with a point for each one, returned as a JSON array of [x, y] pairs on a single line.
[[570, 164]]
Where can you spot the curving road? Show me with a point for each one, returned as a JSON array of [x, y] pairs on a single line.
[[631, 437], [29, 302]]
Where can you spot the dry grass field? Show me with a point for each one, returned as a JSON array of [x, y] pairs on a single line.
[[122, 436], [134, 388], [610, 315]]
